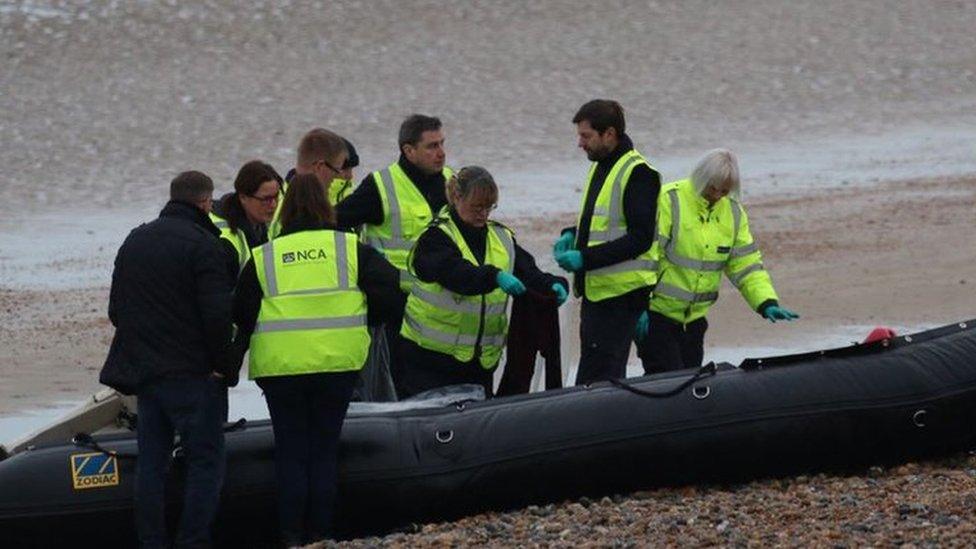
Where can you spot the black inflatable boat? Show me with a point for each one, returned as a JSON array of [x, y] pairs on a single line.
[[885, 402]]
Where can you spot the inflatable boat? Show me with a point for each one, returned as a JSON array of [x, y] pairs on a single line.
[[889, 401]]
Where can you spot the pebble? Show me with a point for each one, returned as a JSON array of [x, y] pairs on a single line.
[[846, 511]]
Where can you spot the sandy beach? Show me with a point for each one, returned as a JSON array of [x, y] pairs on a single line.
[[856, 125]]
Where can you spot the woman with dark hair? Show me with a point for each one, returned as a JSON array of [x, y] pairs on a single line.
[[304, 296], [466, 266], [243, 215]]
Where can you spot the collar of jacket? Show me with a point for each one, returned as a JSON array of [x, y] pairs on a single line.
[[702, 205], [300, 226], [417, 175], [465, 228], [624, 146], [191, 213], [475, 237]]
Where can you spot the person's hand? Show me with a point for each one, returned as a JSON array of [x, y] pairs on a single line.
[[509, 283], [775, 312], [571, 261], [643, 326], [563, 244], [561, 293]]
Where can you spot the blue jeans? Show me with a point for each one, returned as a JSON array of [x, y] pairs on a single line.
[[192, 407], [307, 412]]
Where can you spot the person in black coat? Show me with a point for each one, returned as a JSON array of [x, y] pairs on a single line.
[[608, 317], [170, 303], [437, 259]]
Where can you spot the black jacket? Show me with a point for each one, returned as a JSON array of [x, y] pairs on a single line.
[[364, 205], [170, 302], [437, 259], [379, 280], [640, 212]]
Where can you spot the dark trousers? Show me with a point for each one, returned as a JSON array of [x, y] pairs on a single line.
[[606, 333], [424, 369], [307, 412], [194, 408], [671, 346]]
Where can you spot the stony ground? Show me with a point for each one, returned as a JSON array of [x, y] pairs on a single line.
[[928, 504]]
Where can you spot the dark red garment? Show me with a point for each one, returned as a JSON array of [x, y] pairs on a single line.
[[533, 328]]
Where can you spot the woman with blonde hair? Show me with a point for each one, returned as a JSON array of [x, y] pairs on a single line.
[[703, 231]]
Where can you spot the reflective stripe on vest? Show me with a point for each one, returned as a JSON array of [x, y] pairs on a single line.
[[274, 228], [406, 215], [236, 239], [616, 227], [609, 223], [313, 314], [457, 325], [690, 279]]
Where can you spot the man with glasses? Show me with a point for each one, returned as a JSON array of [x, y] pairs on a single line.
[[337, 178], [393, 206]]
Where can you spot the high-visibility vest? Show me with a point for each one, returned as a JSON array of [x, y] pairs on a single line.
[[462, 326], [313, 314], [696, 244], [338, 190], [608, 223], [406, 214], [274, 228], [235, 237]]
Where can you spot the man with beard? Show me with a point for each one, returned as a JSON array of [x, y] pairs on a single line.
[[609, 249]]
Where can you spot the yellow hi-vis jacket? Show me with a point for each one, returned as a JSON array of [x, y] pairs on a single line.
[[313, 314], [406, 214], [608, 223], [696, 244], [338, 190], [236, 238], [462, 326], [274, 228]]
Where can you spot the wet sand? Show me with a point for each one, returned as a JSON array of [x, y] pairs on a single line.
[[898, 254]]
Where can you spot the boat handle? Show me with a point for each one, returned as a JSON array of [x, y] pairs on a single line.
[[918, 418], [701, 392], [444, 437]]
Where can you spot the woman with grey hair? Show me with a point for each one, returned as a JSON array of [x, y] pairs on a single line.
[[703, 231], [466, 267]]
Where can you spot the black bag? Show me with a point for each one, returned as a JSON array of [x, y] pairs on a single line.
[[375, 383]]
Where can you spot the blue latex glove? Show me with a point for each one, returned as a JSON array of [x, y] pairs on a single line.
[[561, 293], [563, 244], [643, 325], [509, 283], [571, 261], [775, 312]]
